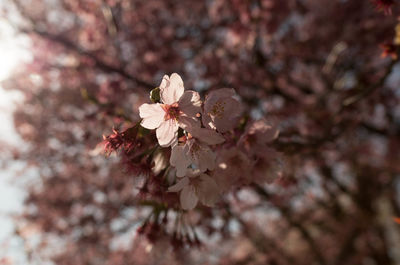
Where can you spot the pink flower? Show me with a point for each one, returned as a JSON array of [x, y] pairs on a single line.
[[178, 108], [233, 169], [258, 134], [196, 186], [266, 162], [221, 110], [385, 5], [195, 151], [267, 167]]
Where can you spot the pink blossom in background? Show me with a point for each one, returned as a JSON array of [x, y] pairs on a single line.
[[232, 169], [221, 110], [194, 187], [257, 134]]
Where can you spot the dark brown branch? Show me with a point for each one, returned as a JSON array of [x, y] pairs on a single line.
[[75, 48], [369, 90], [98, 63]]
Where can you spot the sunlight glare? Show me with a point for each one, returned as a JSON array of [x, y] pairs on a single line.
[[13, 50]]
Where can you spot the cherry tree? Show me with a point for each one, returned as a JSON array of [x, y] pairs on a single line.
[[209, 132]]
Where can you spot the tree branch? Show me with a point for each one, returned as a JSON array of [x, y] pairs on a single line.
[[98, 63]]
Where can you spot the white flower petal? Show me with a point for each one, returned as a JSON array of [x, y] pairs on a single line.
[[190, 103], [171, 89], [152, 115], [160, 162], [167, 133], [179, 160], [188, 198], [164, 82], [179, 185]]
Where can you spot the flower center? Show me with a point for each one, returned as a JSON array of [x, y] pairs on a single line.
[[218, 109], [171, 111]]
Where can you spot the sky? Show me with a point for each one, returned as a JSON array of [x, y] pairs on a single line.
[[13, 52]]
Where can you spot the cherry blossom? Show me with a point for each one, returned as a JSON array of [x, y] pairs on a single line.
[[195, 151], [221, 110], [266, 162], [313, 64], [384, 5], [176, 109], [258, 134], [194, 187], [233, 169], [267, 167]]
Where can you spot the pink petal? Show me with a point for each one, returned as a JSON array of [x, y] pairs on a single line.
[[266, 131], [232, 168], [207, 121], [257, 134], [207, 136], [223, 109], [188, 198], [187, 123], [230, 116], [179, 185], [205, 160], [192, 173], [268, 167], [202, 156], [214, 95], [207, 190], [152, 115], [167, 133], [171, 89], [179, 160], [190, 103]]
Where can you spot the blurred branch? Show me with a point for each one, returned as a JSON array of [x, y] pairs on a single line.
[[109, 108], [347, 247], [369, 90], [59, 39], [259, 240], [304, 232], [98, 63]]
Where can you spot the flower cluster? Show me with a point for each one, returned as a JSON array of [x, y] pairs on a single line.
[[209, 155], [391, 49], [384, 5]]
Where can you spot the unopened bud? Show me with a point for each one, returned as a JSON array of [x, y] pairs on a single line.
[[155, 95]]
